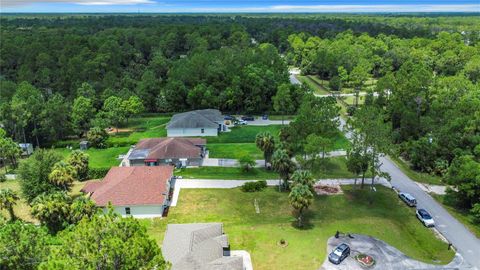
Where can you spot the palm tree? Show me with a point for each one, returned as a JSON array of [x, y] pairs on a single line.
[[266, 143], [282, 164], [79, 161], [8, 198], [52, 210], [303, 177], [301, 197], [62, 175]]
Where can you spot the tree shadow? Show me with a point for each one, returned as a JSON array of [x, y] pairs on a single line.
[[306, 221]]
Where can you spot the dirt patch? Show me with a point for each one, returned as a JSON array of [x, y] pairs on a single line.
[[328, 189], [118, 130]]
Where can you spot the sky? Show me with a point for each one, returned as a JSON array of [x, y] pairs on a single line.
[[237, 6]]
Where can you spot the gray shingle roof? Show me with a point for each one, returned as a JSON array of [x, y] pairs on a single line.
[[198, 246], [208, 118]]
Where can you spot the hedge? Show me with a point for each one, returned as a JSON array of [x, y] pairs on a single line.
[[97, 173], [254, 186]]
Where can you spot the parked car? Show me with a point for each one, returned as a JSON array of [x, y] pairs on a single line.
[[264, 117], [241, 122], [339, 254], [248, 118], [229, 117], [408, 199], [425, 218]]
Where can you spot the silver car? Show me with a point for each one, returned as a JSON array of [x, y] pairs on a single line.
[[425, 218]]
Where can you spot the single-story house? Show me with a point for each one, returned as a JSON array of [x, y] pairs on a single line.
[[206, 122], [26, 148], [141, 192], [177, 151], [199, 246]]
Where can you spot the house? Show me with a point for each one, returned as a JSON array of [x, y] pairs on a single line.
[[199, 246], [178, 151], [26, 148], [206, 122], [141, 192]]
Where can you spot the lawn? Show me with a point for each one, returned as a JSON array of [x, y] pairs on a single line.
[[316, 87], [234, 150], [22, 209], [99, 158], [378, 214], [461, 215], [227, 173], [140, 128], [416, 176], [244, 134], [335, 167]]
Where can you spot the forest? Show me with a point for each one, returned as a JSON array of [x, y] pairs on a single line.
[[66, 77]]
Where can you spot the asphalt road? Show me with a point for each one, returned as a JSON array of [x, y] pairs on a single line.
[[466, 243], [462, 239]]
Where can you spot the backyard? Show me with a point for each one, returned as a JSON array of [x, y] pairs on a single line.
[[378, 214]]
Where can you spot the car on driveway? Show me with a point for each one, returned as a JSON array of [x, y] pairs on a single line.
[[425, 218], [248, 118], [339, 254], [241, 122], [408, 199]]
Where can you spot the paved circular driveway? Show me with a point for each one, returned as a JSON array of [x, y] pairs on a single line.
[[386, 256]]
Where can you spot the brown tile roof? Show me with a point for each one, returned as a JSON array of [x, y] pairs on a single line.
[[131, 186], [164, 148]]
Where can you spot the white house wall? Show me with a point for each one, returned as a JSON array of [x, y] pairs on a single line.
[[139, 211], [190, 132]]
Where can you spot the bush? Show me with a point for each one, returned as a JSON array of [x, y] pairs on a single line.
[[246, 163], [97, 137], [475, 212], [3, 178], [97, 173], [254, 186], [335, 83]]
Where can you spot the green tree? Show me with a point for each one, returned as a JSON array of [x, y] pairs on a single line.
[[34, 172], [246, 163], [8, 199], [114, 110], [357, 162], [301, 197], [63, 175], [317, 144], [106, 242], [80, 208], [266, 143], [9, 150], [26, 107], [303, 177], [82, 112], [132, 106], [97, 137], [52, 210], [54, 118], [282, 101], [23, 246], [79, 161], [283, 164]]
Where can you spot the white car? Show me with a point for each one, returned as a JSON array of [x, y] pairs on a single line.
[[241, 122], [425, 218]]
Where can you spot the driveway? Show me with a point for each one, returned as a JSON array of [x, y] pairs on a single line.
[[260, 122], [386, 256]]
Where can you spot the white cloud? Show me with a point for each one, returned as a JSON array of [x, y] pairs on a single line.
[[377, 8], [9, 3]]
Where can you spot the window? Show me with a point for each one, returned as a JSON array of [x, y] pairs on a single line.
[[127, 210], [202, 130]]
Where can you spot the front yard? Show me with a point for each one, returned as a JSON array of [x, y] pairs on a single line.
[[378, 214]]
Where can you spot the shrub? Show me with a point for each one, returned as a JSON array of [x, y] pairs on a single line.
[[97, 137], [3, 178], [254, 186], [246, 163], [97, 173], [475, 212]]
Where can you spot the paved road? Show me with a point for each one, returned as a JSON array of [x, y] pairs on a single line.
[[468, 246], [465, 242]]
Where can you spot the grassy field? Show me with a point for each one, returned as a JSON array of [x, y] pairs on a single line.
[[140, 128], [99, 158], [234, 150], [335, 167], [227, 173], [22, 209], [378, 214], [279, 117], [417, 176], [461, 215], [244, 134], [317, 89]]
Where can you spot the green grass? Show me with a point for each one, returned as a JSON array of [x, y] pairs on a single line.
[[234, 150], [227, 173], [461, 215], [350, 100], [416, 176], [317, 89], [279, 117], [378, 214], [243, 134], [99, 158], [140, 128], [335, 167]]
